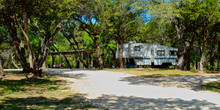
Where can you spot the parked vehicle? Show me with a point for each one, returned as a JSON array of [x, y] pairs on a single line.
[[148, 54]]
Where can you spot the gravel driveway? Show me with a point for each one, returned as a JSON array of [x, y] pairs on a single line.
[[120, 91]]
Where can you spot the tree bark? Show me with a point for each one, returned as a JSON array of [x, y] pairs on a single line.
[[1, 69], [13, 62], [218, 60], [98, 52], [29, 46], [78, 62], [46, 43], [181, 46], [120, 53], [202, 61], [121, 42], [213, 51], [18, 44], [203, 48]]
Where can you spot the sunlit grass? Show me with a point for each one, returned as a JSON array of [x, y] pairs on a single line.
[[155, 72]]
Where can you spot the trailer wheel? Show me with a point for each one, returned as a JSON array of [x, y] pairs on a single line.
[[152, 65], [166, 65]]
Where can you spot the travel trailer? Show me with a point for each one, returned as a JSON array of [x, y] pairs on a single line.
[[142, 54]]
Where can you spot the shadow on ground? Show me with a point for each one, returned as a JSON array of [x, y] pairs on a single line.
[[40, 103], [76, 75], [137, 103], [10, 86], [67, 73], [193, 82]]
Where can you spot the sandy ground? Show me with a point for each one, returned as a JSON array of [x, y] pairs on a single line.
[[120, 91]]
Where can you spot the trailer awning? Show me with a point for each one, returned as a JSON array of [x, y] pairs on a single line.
[[71, 52]]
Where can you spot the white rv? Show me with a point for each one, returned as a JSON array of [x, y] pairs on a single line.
[[148, 54]]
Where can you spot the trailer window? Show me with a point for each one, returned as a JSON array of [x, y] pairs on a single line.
[[161, 52], [137, 48], [173, 53]]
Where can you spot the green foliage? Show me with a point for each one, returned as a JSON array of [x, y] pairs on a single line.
[[86, 41], [108, 22], [177, 23], [61, 43], [35, 41], [207, 8], [111, 46]]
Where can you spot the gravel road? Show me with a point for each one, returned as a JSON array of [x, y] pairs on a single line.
[[120, 91]]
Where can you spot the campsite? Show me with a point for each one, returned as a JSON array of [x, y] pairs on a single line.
[[109, 54]]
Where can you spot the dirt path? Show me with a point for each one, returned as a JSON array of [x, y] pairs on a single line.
[[120, 91]]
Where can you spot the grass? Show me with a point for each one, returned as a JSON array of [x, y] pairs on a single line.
[[148, 72], [50, 92], [212, 86]]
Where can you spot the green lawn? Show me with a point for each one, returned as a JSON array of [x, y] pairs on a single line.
[[51, 92]]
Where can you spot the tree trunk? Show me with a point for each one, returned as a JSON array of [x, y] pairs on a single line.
[[1, 69], [213, 47], [120, 48], [36, 61], [53, 61], [78, 62], [212, 64], [25, 34], [91, 64], [181, 45], [67, 61], [202, 61], [212, 56], [17, 43], [196, 65], [187, 54], [13, 62], [98, 52], [218, 60], [180, 63], [181, 54], [203, 57], [120, 53], [203, 48], [187, 61]]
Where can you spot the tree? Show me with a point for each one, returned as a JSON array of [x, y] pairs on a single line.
[[1, 68], [33, 25], [123, 20], [168, 12], [192, 20], [208, 11], [90, 15], [213, 46], [3, 39], [76, 38]]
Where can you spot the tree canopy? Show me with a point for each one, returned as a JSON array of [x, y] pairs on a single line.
[[31, 27]]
